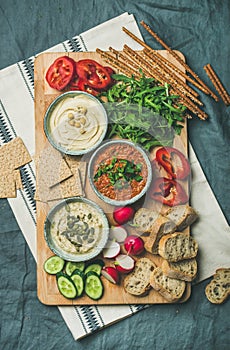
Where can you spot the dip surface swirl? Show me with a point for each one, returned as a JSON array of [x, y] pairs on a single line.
[[77, 123]]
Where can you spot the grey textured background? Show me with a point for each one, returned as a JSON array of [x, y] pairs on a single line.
[[199, 29]]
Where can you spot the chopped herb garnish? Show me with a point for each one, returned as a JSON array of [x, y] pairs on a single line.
[[121, 173]]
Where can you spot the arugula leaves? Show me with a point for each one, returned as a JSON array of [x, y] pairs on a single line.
[[143, 111]]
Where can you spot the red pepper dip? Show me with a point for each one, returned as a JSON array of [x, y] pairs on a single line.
[[120, 172]]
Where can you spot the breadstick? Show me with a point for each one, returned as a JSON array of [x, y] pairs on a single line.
[[217, 84], [177, 57]]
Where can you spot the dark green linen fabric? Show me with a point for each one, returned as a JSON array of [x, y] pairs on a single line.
[[199, 29]]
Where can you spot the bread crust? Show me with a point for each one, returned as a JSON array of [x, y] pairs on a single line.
[[183, 216], [218, 290], [177, 246], [185, 270], [138, 282], [170, 288]]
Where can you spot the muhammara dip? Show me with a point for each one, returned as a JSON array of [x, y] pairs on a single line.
[[77, 122]]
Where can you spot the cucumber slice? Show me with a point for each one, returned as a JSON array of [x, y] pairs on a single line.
[[71, 266], [95, 266], [93, 286], [66, 286], [78, 279], [53, 265]]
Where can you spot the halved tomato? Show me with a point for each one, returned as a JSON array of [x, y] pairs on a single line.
[[60, 72]]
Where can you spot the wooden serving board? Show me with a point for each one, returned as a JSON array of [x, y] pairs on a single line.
[[46, 284]]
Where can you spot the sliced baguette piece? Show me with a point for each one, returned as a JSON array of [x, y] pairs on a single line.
[[218, 290], [177, 246], [185, 270], [170, 288], [144, 219], [182, 215], [162, 226], [138, 282]]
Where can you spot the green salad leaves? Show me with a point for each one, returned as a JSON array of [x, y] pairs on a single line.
[[143, 111]]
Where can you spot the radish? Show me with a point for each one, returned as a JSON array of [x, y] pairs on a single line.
[[118, 233], [111, 250], [123, 214], [134, 245], [124, 263], [111, 274]]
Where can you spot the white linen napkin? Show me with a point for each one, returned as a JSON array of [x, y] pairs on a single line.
[[17, 85]]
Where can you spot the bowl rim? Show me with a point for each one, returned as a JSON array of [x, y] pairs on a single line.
[[70, 256], [143, 152], [50, 109]]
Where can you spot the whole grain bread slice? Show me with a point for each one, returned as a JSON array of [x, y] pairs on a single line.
[[177, 246], [218, 290], [144, 219], [185, 270], [182, 215], [170, 288], [138, 282]]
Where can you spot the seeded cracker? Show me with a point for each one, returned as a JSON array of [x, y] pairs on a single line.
[[13, 155], [51, 167]]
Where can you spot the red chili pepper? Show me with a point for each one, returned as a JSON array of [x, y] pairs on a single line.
[[174, 162], [168, 192], [94, 74], [60, 72]]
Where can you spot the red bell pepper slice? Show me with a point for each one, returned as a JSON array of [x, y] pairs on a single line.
[[168, 192], [174, 162], [60, 73], [94, 74]]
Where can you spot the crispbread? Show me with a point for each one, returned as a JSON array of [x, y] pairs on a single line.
[[7, 185], [14, 154], [138, 282], [170, 288], [51, 167]]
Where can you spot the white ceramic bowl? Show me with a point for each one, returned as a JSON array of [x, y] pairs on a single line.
[[75, 123], [117, 143], [59, 244]]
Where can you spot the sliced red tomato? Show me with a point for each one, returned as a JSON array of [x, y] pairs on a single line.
[[94, 74], [61, 72]]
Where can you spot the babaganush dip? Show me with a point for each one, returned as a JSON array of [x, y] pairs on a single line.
[[120, 172], [77, 227], [77, 122]]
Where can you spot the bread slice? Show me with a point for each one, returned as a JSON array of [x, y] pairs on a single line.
[[185, 270], [144, 219], [182, 215], [162, 226], [177, 246], [218, 290], [138, 282], [170, 288]]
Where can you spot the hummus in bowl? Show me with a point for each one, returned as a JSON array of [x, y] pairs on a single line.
[[75, 123], [120, 172], [76, 229]]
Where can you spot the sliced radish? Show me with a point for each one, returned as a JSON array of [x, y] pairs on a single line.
[[111, 250], [111, 274], [134, 245], [118, 233], [124, 263], [123, 214]]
